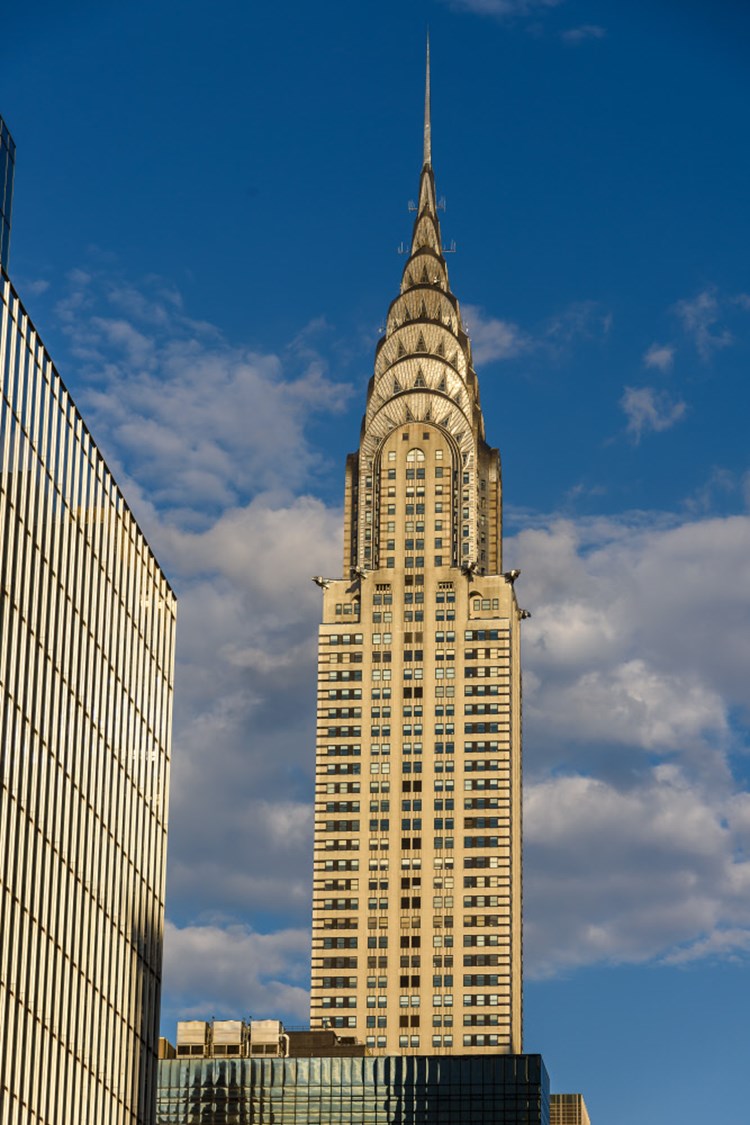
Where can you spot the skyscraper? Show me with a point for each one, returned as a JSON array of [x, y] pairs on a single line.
[[417, 880], [568, 1109], [86, 655], [7, 168]]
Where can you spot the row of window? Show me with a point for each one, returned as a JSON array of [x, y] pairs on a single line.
[[481, 672], [481, 765], [415, 562], [473, 1020], [439, 1000], [409, 729], [417, 615], [475, 746], [440, 804], [439, 883], [348, 609], [442, 921], [414, 941]]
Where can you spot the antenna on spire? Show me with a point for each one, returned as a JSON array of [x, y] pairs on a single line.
[[427, 127]]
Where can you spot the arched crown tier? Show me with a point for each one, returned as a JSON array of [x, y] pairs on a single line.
[[417, 406], [422, 338], [424, 269], [426, 374], [425, 304], [424, 390]]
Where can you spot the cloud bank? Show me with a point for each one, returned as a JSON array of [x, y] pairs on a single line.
[[636, 665]]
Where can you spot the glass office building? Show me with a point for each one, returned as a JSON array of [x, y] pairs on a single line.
[[479, 1090], [7, 169], [86, 655]]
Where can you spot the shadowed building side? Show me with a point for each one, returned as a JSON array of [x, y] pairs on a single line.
[[505, 1090], [7, 170]]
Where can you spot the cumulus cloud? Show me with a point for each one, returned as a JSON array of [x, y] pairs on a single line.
[[585, 33], [606, 592], [700, 317], [637, 822], [37, 286], [504, 9], [635, 668], [629, 875], [580, 320], [660, 356], [203, 421], [718, 485], [648, 409], [723, 944], [492, 338], [635, 705], [228, 971], [245, 703], [210, 444]]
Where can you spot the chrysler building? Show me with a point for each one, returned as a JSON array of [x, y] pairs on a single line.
[[416, 943]]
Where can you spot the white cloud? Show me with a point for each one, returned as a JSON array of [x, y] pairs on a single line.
[[700, 317], [607, 592], [36, 287], [230, 970], [720, 483], [632, 704], [244, 715], [648, 409], [585, 33], [581, 320], [504, 9], [210, 445], [203, 422], [636, 664], [628, 874], [660, 356], [725, 944], [636, 667], [492, 338]]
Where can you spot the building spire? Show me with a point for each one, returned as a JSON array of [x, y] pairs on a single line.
[[427, 127]]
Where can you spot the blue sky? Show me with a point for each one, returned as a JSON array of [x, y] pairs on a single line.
[[208, 207]]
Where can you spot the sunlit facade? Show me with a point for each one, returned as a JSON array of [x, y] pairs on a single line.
[[86, 655], [417, 866], [568, 1109]]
